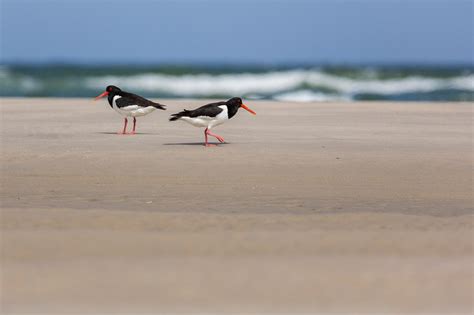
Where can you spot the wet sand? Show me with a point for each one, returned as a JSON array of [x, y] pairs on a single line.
[[325, 207]]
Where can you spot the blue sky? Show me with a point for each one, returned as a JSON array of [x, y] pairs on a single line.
[[244, 31]]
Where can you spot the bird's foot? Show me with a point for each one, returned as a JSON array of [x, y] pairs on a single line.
[[209, 145], [221, 140]]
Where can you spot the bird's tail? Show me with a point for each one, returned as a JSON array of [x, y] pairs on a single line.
[[178, 115], [159, 106]]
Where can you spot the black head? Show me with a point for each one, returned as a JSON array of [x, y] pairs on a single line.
[[236, 102], [110, 90], [113, 89]]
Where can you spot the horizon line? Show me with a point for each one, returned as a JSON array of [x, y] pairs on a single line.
[[235, 64]]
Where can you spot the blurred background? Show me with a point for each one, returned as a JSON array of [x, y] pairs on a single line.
[[290, 50]]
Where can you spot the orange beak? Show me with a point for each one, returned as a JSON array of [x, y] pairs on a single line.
[[248, 109], [102, 95]]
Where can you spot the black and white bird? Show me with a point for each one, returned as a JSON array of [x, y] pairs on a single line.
[[211, 115], [129, 105]]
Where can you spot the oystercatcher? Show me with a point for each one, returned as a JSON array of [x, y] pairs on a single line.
[[211, 115], [129, 105]]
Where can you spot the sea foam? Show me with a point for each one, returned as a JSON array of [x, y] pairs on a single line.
[[296, 84], [278, 82]]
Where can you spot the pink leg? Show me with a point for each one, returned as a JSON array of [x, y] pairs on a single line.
[[205, 137], [221, 140], [134, 124], [124, 132]]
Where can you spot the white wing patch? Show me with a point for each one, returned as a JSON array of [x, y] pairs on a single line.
[[130, 108]]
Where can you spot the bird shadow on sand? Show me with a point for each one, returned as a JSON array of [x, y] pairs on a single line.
[[128, 134], [196, 143]]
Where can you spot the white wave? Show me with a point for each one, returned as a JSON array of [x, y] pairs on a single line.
[[410, 84], [277, 82], [205, 84], [29, 84], [309, 96], [4, 72], [19, 82]]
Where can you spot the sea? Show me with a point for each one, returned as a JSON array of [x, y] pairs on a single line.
[[295, 83]]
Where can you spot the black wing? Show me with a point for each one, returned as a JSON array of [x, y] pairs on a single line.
[[209, 110], [129, 99]]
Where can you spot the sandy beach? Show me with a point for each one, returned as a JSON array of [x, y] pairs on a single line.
[[308, 207]]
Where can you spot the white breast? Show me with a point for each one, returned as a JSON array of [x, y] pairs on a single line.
[[221, 118]]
